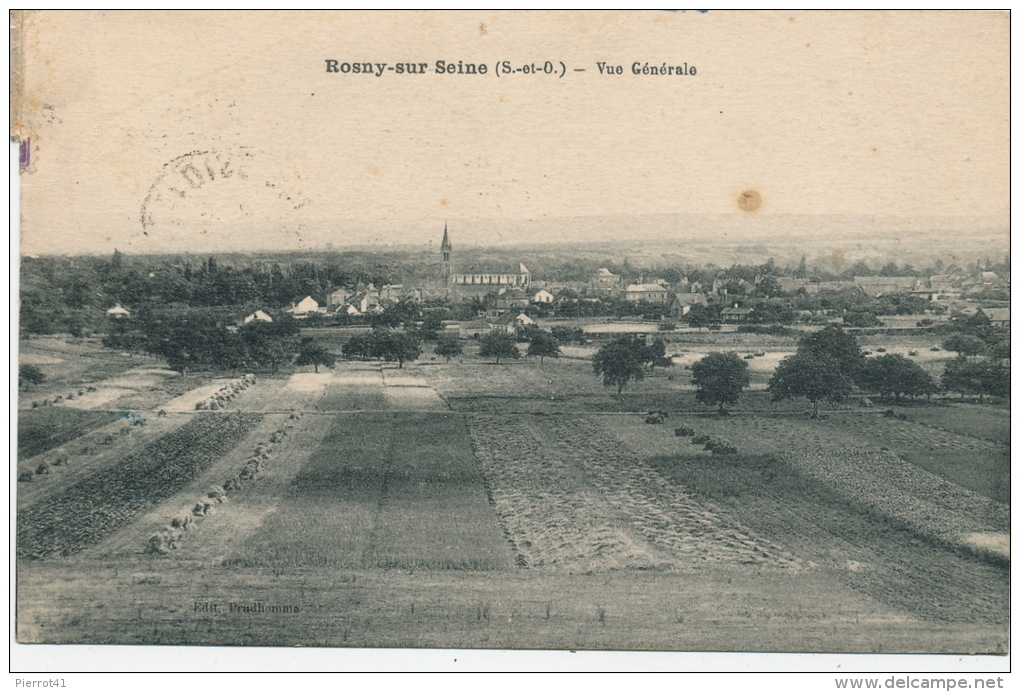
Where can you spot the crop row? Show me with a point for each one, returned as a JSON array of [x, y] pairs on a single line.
[[111, 498], [169, 537], [659, 511], [548, 515], [226, 393], [871, 476]]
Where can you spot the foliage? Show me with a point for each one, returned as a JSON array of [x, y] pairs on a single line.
[[620, 361], [566, 335], [816, 377], [498, 345], [448, 347], [833, 344], [860, 317], [543, 344], [981, 378], [965, 344], [701, 316], [720, 378], [29, 375], [383, 344], [315, 355], [896, 375]]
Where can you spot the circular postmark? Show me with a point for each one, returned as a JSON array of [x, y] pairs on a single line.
[[216, 191]]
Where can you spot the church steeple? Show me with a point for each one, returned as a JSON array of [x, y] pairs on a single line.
[[446, 249]]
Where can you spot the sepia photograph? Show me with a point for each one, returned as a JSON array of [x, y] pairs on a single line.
[[630, 331]]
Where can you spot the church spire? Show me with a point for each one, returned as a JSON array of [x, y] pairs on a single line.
[[446, 247]]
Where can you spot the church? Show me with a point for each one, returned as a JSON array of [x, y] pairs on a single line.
[[464, 286]]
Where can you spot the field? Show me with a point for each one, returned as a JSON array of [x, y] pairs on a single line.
[[519, 505]]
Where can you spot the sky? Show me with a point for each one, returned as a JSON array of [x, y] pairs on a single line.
[[206, 132]]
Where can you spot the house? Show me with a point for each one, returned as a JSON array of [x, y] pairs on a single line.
[[652, 293], [367, 302], [604, 282], [257, 316], [304, 307], [338, 297], [118, 312], [473, 329], [875, 286], [510, 323], [998, 317], [735, 314], [542, 296], [681, 303], [513, 298]]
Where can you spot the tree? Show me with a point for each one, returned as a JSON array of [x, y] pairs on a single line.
[[543, 344], [655, 355], [812, 376], [896, 375], [568, 335], [965, 344], [498, 345], [29, 375], [395, 346], [267, 344], [981, 378], [832, 343], [700, 317], [315, 355], [720, 378], [619, 362], [448, 347]]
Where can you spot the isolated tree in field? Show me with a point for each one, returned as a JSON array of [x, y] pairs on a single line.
[[29, 375], [619, 362], [448, 347], [498, 345], [720, 378], [543, 344], [966, 345], [893, 374], [315, 355], [832, 343], [396, 346], [814, 377]]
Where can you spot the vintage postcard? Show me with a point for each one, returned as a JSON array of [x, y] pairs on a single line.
[[644, 331]]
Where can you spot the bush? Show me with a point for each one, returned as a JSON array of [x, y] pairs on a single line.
[[25, 477], [684, 431], [701, 439]]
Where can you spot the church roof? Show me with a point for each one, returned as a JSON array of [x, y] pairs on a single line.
[[446, 240]]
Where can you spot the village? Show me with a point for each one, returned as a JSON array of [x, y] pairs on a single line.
[[445, 448]]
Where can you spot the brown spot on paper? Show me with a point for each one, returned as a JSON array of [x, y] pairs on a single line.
[[749, 201], [837, 259]]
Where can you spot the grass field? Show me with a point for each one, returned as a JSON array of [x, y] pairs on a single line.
[[384, 491], [519, 505]]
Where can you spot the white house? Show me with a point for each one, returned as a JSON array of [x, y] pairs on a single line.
[[542, 296], [258, 316], [118, 312], [653, 293], [305, 306]]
